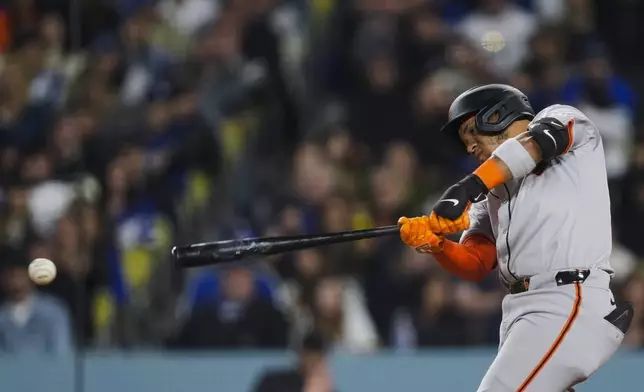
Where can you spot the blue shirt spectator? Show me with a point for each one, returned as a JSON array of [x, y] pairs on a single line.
[[39, 324], [30, 322]]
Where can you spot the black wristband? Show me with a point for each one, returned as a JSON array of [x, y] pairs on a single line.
[[475, 187]]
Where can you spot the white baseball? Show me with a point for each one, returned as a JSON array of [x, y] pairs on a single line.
[[42, 271], [493, 41]]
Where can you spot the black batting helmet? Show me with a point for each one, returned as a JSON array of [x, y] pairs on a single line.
[[484, 101]]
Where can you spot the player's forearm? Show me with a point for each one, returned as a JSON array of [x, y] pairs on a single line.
[[472, 260], [517, 157], [514, 158]]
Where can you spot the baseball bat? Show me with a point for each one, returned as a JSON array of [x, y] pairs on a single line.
[[219, 252]]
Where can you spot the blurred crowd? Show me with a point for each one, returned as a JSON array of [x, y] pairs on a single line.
[[129, 126]]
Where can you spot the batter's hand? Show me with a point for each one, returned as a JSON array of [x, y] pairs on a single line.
[[415, 232], [443, 226], [457, 198]]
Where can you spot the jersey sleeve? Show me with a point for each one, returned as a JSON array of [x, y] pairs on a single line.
[[582, 133], [479, 222]]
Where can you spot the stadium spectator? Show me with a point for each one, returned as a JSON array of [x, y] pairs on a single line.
[[502, 30], [187, 16], [17, 226], [81, 262], [437, 321], [610, 103], [338, 312], [311, 374], [237, 318], [331, 305], [30, 322], [633, 291]]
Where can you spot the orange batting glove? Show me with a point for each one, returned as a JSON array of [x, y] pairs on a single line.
[[444, 226], [415, 232]]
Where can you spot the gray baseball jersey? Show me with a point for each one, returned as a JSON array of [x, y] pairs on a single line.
[[556, 220], [551, 336]]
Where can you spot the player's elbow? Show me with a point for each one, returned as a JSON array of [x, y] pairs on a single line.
[[472, 260], [483, 251], [471, 270]]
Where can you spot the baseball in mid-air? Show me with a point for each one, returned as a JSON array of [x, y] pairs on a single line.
[[42, 271], [493, 41]]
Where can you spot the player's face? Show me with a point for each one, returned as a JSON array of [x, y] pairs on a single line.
[[478, 145]]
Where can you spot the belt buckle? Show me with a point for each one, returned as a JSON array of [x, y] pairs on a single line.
[[571, 276]]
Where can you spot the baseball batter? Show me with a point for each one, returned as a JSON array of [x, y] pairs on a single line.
[[537, 209]]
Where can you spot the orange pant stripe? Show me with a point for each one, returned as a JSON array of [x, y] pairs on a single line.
[[560, 338]]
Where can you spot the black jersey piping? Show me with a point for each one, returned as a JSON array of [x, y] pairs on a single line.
[[503, 277], [507, 233]]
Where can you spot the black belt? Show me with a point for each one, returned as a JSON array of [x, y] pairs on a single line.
[[562, 278]]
